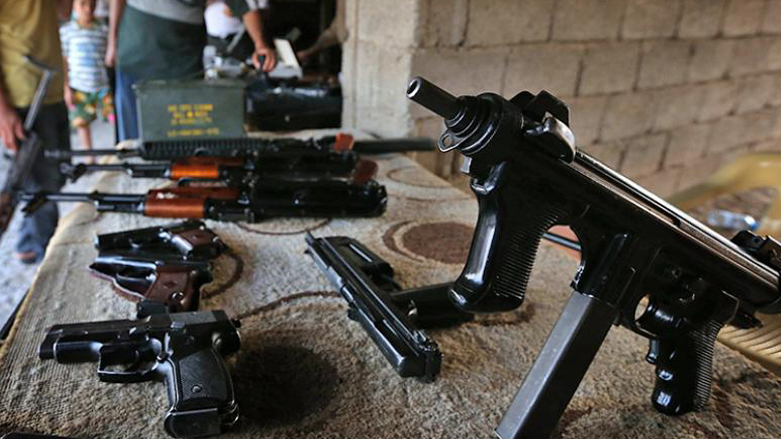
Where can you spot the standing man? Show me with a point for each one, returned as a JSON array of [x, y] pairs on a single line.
[[31, 28], [164, 39]]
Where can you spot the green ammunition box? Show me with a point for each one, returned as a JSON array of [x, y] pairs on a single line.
[[190, 109]]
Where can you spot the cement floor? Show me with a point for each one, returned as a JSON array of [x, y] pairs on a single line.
[[16, 277]]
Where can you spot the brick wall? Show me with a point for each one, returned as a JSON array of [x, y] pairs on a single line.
[[663, 90]]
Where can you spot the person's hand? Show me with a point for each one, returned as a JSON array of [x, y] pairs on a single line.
[[303, 55], [11, 127], [269, 61], [68, 95], [111, 53]]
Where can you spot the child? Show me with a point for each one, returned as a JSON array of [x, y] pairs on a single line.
[[87, 92]]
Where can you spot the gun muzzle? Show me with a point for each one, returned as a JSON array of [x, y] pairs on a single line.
[[434, 98], [46, 350], [73, 172]]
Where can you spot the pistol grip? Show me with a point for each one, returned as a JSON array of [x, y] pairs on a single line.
[[200, 393], [504, 246], [683, 369], [176, 288]]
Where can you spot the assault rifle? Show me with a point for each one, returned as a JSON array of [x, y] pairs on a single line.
[[184, 350], [163, 267], [391, 316], [28, 152], [233, 170], [259, 148], [528, 175], [359, 196]]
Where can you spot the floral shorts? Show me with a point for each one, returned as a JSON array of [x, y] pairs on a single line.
[[87, 107]]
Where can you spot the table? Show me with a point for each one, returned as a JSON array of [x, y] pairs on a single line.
[[306, 371]]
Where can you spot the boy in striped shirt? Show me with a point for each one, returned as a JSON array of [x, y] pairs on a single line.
[[87, 92]]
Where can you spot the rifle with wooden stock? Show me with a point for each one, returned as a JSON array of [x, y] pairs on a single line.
[[259, 199]]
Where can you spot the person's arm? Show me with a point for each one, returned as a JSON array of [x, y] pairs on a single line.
[[11, 127], [250, 16], [116, 7], [327, 39], [65, 40], [254, 26], [67, 93], [335, 34], [64, 9]]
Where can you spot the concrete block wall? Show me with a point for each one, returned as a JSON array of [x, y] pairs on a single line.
[[665, 91]]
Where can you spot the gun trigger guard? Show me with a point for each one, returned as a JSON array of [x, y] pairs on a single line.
[[130, 375]]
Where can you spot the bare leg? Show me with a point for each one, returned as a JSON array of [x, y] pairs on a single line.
[[85, 135]]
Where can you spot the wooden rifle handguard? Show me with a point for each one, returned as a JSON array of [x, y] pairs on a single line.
[[202, 167], [364, 171], [343, 142], [184, 202]]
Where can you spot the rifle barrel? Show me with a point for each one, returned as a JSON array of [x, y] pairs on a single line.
[[62, 197], [64, 155], [128, 167], [382, 146], [166, 150]]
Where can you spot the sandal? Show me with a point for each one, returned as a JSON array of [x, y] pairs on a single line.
[[27, 258]]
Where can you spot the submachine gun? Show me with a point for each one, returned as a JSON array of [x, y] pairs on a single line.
[[528, 175]]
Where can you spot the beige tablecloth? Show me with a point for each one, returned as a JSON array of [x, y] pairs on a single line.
[[306, 371]]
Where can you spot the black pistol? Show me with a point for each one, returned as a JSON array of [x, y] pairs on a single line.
[[391, 316], [528, 175], [183, 350]]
